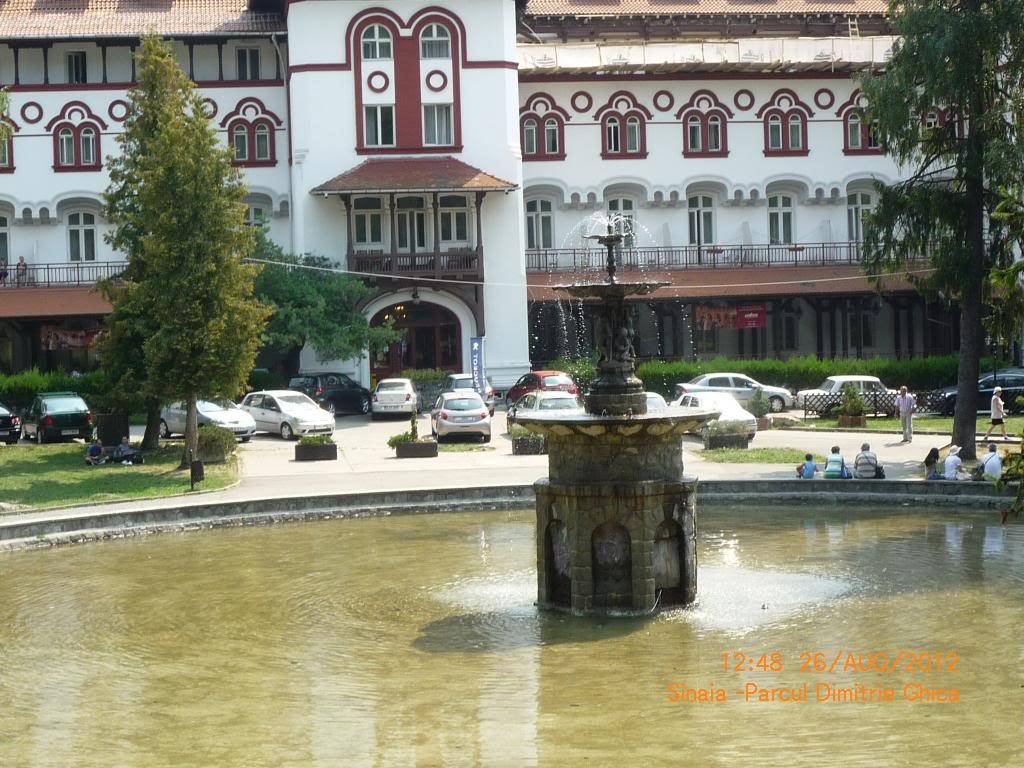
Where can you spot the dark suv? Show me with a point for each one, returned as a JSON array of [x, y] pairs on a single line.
[[57, 416], [10, 425], [335, 392]]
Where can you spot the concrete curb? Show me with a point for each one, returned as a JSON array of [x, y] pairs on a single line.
[[94, 524]]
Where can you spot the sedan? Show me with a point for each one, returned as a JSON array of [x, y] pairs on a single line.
[[288, 414], [460, 413], [726, 405], [57, 416], [552, 404], [335, 392], [464, 381], [219, 413], [547, 381], [1011, 380], [10, 425], [395, 396], [655, 403], [739, 386]]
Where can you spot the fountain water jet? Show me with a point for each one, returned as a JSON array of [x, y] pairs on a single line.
[[616, 518]]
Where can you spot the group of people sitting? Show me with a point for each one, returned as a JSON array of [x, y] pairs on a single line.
[[990, 467], [865, 466], [95, 455]]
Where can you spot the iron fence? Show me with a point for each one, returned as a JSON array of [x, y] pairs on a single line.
[[58, 275], [875, 403]]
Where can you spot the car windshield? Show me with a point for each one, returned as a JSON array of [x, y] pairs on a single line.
[[560, 380], [826, 385], [54, 404], [4, 411], [302, 381], [214, 406], [463, 404], [696, 379], [466, 383], [296, 399], [557, 403], [391, 386]]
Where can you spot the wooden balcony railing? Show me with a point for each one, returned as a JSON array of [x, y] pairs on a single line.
[[76, 274], [697, 257], [466, 262]]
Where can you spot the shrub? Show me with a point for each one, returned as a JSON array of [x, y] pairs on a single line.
[[853, 403], [523, 437], [717, 427], [262, 378], [582, 370], [410, 436], [215, 443], [18, 390], [316, 440], [759, 404]]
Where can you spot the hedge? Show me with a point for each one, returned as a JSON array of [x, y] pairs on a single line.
[[19, 390]]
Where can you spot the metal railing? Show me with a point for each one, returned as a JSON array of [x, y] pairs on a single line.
[[875, 403], [697, 257], [465, 262], [71, 275]]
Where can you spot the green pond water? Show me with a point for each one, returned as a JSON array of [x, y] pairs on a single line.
[[414, 641]]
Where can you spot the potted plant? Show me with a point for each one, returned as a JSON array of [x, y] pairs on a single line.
[[851, 410], [527, 443], [409, 445], [316, 448], [725, 434], [759, 406]]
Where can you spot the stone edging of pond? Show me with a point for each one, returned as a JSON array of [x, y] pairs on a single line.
[[93, 524]]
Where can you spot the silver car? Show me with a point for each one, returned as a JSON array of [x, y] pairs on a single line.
[[220, 413], [463, 381], [738, 385], [460, 413], [395, 396], [541, 403], [287, 413]]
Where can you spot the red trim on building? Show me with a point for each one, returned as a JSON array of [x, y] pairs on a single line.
[[86, 111], [634, 105], [76, 137], [31, 105], [9, 168], [252, 161], [541, 154]]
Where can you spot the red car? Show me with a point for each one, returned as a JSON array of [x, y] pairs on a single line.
[[549, 381]]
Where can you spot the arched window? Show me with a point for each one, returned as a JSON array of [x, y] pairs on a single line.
[[240, 141], [376, 42], [66, 146], [858, 205], [620, 211], [780, 219], [435, 42], [454, 218], [5, 241], [367, 220], [81, 236], [796, 131], [87, 142], [539, 224], [714, 133], [701, 209], [6, 155], [853, 137], [693, 134], [530, 137], [551, 136], [775, 132], [263, 142], [633, 135], [612, 138]]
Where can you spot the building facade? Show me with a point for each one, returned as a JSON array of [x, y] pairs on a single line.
[[458, 154]]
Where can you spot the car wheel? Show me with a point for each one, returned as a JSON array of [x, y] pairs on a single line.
[[247, 438], [776, 403], [287, 432], [165, 431], [486, 438], [364, 405]]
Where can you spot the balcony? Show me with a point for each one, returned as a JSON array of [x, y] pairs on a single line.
[[75, 275], [697, 257], [464, 263]]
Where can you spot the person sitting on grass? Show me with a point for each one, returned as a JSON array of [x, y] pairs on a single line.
[[931, 465], [806, 470], [94, 454], [991, 464], [126, 454], [835, 466], [866, 466], [954, 465]]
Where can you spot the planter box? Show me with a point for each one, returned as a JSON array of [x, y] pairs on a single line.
[[419, 450], [529, 446], [763, 423], [725, 441], [852, 421], [326, 452]]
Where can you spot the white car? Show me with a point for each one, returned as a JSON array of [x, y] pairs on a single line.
[[394, 396], [542, 403], [740, 386], [287, 413], [655, 403], [220, 413], [833, 385], [726, 405], [462, 412]]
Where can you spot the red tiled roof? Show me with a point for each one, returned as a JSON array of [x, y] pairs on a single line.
[[701, 7], [131, 18], [51, 302], [725, 283], [413, 174]]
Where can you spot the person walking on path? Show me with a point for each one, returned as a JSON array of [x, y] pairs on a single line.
[[906, 404], [997, 411]]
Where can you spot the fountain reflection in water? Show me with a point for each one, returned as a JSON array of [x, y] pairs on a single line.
[[616, 518]]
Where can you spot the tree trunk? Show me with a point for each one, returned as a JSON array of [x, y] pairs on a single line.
[[191, 433], [151, 440], [965, 417]]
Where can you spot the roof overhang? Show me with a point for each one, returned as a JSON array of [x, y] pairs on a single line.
[[412, 174]]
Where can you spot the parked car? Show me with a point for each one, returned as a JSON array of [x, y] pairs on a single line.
[[727, 406], [335, 392], [1010, 379], [655, 402], [460, 413], [219, 413], [542, 403], [57, 416], [10, 425], [547, 381], [287, 413], [395, 396], [457, 381], [740, 386], [833, 385]]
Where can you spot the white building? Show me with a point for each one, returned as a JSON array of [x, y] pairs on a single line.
[[456, 153]]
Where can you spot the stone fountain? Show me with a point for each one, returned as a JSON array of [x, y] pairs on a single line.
[[616, 517]]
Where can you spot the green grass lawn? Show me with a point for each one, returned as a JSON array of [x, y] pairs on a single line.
[[942, 425], [462, 447], [38, 477], [792, 456]]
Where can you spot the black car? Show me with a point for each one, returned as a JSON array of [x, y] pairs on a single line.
[[10, 425], [57, 416], [1010, 379], [335, 392]]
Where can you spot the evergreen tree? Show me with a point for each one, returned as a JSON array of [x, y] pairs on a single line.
[[963, 59]]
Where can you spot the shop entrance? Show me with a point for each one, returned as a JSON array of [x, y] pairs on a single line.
[[433, 339]]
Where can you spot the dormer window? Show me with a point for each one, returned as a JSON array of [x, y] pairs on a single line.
[[248, 60], [435, 42], [376, 42]]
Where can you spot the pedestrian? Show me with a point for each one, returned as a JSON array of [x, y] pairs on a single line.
[[835, 467], [806, 470], [997, 410], [3, 271], [954, 465], [931, 468], [906, 404], [21, 271], [866, 466]]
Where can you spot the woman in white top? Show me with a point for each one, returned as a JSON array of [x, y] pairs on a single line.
[[997, 412], [954, 465]]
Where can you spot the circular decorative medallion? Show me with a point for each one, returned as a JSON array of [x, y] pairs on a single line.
[[378, 81], [31, 112], [118, 110], [581, 101], [824, 98], [210, 107], [663, 101], [437, 80], [743, 99]]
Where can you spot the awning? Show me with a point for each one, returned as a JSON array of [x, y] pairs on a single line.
[[413, 174], [36, 303]]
